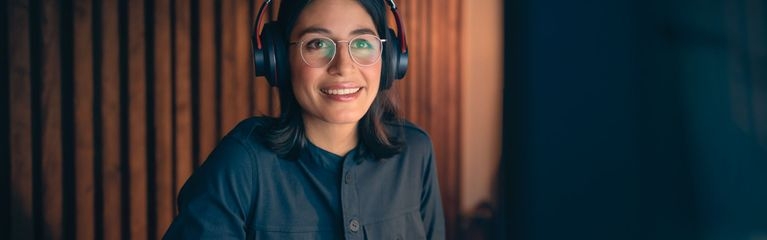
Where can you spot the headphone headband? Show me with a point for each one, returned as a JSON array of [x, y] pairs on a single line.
[[258, 22], [400, 29]]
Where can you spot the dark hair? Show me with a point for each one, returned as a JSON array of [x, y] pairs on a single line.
[[286, 136]]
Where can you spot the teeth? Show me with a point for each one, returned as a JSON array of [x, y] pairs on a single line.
[[342, 91]]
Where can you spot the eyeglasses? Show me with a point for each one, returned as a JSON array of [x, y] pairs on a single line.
[[318, 51]]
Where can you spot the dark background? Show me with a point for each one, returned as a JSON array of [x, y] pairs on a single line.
[[634, 120]]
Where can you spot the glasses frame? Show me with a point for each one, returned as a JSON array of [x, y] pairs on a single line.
[[300, 45]]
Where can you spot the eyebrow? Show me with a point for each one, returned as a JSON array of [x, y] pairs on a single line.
[[361, 31], [325, 31]]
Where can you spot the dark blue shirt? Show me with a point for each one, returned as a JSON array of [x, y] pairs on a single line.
[[245, 191]]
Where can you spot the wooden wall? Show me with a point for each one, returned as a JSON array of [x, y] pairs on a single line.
[[110, 104]]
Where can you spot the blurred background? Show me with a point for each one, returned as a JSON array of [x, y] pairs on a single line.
[[551, 119], [635, 120]]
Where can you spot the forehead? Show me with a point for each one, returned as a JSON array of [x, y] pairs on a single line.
[[341, 18]]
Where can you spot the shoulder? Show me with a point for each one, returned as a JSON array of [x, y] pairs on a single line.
[[414, 137], [241, 143], [247, 137], [410, 132], [250, 132], [241, 149], [251, 127]]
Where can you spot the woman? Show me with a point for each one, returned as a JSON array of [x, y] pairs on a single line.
[[338, 163]]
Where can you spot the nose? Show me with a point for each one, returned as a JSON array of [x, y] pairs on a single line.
[[343, 62]]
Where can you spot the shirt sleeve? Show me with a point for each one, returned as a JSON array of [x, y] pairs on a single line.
[[216, 200], [431, 202]]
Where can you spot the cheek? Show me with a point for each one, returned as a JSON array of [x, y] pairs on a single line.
[[296, 69], [373, 74], [301, 75]]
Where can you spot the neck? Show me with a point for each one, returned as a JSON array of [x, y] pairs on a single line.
[[338, 139]]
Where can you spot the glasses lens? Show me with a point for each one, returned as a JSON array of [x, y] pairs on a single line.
[[318, 52], [365, 49]]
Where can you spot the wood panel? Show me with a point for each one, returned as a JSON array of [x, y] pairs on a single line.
[[161, 207], [243, 76], [83, 114], [207, 102], [235, 82], [19, 53], [110, 139], [5, 151], [155, 85], [227, 106], [183, 97], [5, 126], [50, 121], [137, 121]]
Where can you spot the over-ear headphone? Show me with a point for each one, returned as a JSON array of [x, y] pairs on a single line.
[[270, 54]]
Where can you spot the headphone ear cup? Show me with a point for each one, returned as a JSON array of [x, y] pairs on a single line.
[[398, 58], [271, 60]]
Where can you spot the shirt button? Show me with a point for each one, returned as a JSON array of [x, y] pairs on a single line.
[[348, 178], [354, 225]]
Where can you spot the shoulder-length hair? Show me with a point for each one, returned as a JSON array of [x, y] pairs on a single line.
[[286, 136]]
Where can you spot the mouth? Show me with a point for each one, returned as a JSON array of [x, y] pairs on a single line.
[[340, 91]]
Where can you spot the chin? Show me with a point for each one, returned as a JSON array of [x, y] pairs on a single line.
[[343, 115], [344, 119]]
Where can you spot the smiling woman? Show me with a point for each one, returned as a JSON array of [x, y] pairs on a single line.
[[338, 163]]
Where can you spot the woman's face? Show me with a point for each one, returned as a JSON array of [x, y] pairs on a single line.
[[342, 91]]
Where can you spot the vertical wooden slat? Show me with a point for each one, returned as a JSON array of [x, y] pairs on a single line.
[[5, 126], [206, 113], [21, 120], [83, 107], [163, 117], [424, 83], [51, 152], [110, 121], [452, 128], [274, 8], [137, 163], [420, 71], [434, 114], [244, 76], [227, 83], [437, 117], [404, 87], [422, 55], [234, 80], [411, 81], [183, 101]]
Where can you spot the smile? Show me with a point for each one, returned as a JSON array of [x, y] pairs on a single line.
[[341, 91]]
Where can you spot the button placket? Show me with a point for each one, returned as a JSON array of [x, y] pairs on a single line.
[[350, 200]]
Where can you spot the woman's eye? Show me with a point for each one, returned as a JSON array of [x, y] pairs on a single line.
[[317, 44], [361, 43]]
